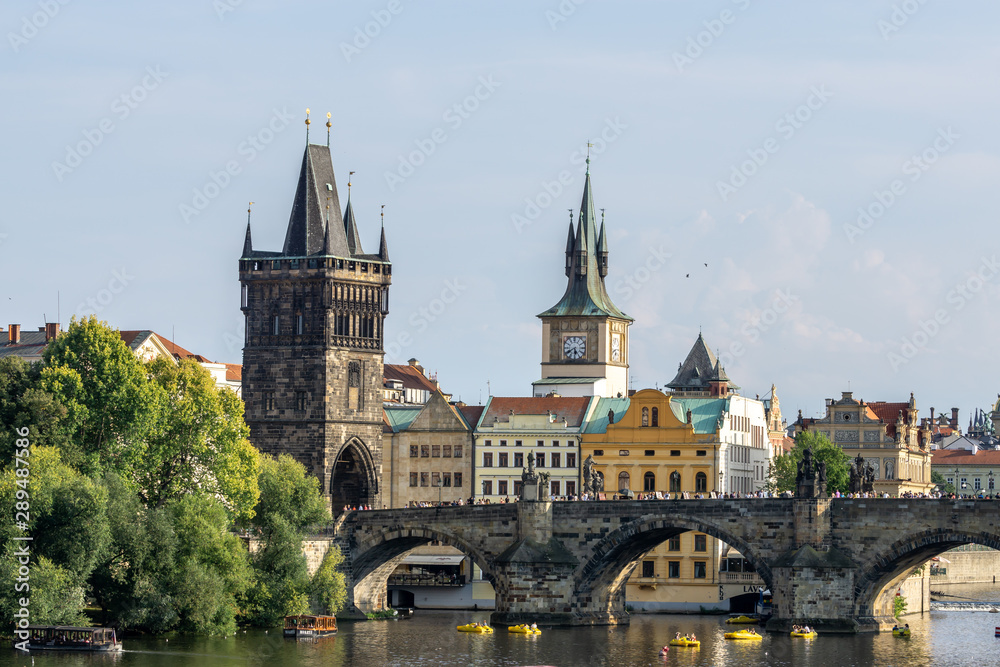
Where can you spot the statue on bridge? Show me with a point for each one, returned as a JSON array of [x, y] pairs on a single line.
[[857, 472], [588, 471], [810, 478], [869, 483]]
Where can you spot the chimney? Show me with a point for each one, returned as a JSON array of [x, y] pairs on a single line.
[[15, 334], [932, 415], [51, 331], [954, 418]]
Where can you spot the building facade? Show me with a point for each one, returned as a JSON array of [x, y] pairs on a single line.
[[312, 358], [969, 471]]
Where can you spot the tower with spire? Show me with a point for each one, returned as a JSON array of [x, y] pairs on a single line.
[[313, 353], [585, 336]]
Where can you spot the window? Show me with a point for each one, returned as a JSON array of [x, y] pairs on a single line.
[[456, 452], [503, 443], [699, 569], [435, 479], [517, 487], [650, 452], [487, 459], [540, 459], [647, 568], [555, 459], [487, 443], [649, 482], [622, 452], [571, 460], [700, 452], [518, 459], [598, 452], [313, 264], [656, 416], [446, 479], [978, 482], [435, 451], [555, 490], [413, 479], [555, 443], [488, 488], [424, 477], [446, 451], [276, 326], [413, 452], [458, 480], [675, 482], [275, 263], [991, 484], [701, 482], [700, 543], [622, 480], [674, 543], [502, 487], [675, 452], [570, 488], [645, 416], [539, 443], [518, 443], [269, 400], [502, 460], [299, 324], [425, 451], [674, 569]]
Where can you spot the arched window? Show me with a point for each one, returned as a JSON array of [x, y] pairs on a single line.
[[675, 482], [656, 416], [622, 481], [701, 482], [649, 482], [645, 416]]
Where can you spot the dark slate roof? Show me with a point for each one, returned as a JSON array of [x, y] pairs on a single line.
[[585, 294], [351, 230], [32, 345], [699, 369], [307, 224]]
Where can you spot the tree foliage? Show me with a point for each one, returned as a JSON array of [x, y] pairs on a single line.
[[329, 586], [938, 478], [781, 475]]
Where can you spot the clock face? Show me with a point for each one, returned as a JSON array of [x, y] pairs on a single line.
[[616, 348], [574, 347]]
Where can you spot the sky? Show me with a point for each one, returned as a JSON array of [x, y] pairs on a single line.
[[810, 185]]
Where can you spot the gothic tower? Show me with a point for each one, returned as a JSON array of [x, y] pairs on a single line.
[[312, 357], [585, 336]]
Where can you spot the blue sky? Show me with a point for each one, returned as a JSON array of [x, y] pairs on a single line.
[[743, 135]]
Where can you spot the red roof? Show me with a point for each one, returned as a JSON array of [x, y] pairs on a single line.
[[573, 409], [888, 413], [963, 457], [472, 413], [408, 375], [234, 373]]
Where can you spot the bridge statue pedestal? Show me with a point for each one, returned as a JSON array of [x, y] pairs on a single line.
[[814, 588]]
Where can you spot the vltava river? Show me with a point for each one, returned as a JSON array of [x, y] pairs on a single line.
[[940, 639]]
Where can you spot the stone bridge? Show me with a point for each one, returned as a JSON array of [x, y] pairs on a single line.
[[832, 563]]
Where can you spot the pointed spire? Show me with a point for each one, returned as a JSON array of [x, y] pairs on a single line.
[[307, 224], [383, 248], [602, 249], [351, 225], [247, 242], [570, 243]]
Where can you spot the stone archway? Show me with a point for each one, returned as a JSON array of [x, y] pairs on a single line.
[[353, 481]]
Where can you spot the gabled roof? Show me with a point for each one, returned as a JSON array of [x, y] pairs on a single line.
[[705, 412], [471, 414], [962, 457], [572, 409], [585, 293], [888, 413], [598, 422], [234, 372], [698, 369], [398, 417], [409, 376], [31, 345], [315, 199]]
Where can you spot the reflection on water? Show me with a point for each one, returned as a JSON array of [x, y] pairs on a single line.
[[949, 639]]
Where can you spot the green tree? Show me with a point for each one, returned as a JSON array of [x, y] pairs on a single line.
[[329, 587], [938, 478], [289, 492], [783, 469], [24, 404]]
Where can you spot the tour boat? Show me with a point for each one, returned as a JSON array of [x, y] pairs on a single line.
[[804, 635], [683, 641], [742, 634], [67, 638], [742, 619], [307, 626], [524, 629], [472, 627]]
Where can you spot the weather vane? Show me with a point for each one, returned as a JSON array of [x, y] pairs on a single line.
[[307, 126]]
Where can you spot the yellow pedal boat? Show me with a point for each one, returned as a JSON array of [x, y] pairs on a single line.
[[742, 634], [524, 629], [685, 642], [472, 627], [804, 635], [900, 632], [741, 619]]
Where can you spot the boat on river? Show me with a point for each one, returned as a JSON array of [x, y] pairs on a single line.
[[306, 626], [742, 619], [804, 635], [742, 634], [684, 641], [472, 627], [70, 638], [900, 632], [523, 629]]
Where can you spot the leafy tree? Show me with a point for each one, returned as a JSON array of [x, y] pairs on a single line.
[[329, 587], [288, 492], [938, 478], [199, 441], [24, 404], [781, 475]]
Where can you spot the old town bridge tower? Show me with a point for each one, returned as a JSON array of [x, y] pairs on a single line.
[[312, 357]]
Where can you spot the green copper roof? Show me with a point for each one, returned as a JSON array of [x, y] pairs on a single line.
[[586, 266], [599, 415], [705, 412], [400, 418]]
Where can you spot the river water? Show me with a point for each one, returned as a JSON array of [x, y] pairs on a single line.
[[944, 639]]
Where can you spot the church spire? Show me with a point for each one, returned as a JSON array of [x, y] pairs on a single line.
[[602, 249], [350, 225], [247, 242], [570, 244], [383, 248]]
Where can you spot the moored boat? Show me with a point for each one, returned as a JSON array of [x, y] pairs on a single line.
[[68, 638], [742, 634], [302, 626]]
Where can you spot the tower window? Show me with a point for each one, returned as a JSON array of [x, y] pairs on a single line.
[[623, 480], [645, 416], [269, 400], [300, 401], [276, 325], [649, 482], [299, 325], [701, 482], [656, 416]]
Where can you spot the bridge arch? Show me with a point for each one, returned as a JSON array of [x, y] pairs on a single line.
[[880, 575], [604, 575]]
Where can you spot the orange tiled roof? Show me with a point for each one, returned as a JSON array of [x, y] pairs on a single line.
[[573, 409], [472, 413], [962, 457], [408, 375], [234, 372], [888, 412]]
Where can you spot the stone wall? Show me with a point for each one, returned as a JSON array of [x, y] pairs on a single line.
[[314, 549], [968, 567]]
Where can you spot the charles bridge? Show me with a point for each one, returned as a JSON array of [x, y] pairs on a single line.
[[833, 563]]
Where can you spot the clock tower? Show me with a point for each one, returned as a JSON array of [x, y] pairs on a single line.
[[585, 336]]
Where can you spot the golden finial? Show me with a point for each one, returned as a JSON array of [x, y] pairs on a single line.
[[383, 216], [307, 126], [328, 124], [589, 146], [248, 212]]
